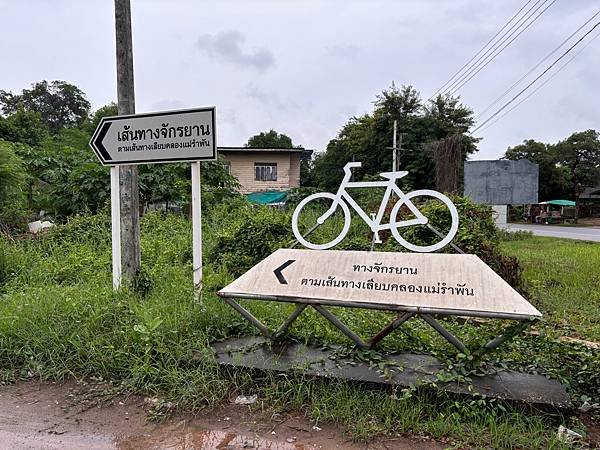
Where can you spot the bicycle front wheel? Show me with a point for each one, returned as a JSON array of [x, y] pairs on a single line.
[[320, 218], [441, 226]]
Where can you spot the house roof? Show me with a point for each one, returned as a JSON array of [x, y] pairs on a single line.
[[590, 192], [306, 153]]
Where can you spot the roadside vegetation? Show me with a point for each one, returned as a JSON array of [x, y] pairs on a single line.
[[60, 318]]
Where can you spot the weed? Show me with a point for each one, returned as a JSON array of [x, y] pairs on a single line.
[[59, 317]]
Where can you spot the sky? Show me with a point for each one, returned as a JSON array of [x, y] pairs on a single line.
[[305, 67]]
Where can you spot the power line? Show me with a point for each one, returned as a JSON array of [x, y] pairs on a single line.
[[482, 49], [482, 64], [538, 77], [516, 83], [543, 84], [518, 24]]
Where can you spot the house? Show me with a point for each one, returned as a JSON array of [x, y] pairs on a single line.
[[265, 169], [590, 193]]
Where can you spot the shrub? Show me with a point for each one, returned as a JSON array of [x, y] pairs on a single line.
[[254, 234], [296, 195], [518, 235], [13, 212]]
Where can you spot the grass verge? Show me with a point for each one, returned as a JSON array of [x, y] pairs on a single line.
[[59, 317]]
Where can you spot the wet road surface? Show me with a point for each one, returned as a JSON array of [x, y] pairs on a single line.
[[50, 416]]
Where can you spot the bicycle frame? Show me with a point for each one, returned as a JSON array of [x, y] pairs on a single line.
[[375, 224]]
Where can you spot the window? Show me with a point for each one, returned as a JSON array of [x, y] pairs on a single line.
[[227, 167], [265, 171]]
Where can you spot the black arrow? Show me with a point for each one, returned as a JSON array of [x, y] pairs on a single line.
[[98, 142], [278, 273]]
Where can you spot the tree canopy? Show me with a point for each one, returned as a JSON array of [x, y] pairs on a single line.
[[565, 168], [60, 104], [368, 138], [553, 177], [269, 139]]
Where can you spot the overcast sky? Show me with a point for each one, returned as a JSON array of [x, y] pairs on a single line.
[[304, 67]]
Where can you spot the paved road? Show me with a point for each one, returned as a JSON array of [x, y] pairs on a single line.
[[580, 233]]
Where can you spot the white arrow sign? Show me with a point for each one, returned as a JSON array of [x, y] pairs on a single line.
[[170, 136], [431, 283]]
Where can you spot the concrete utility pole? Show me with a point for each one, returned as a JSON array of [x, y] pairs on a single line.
[[394, 164], [128, 175], [395, 147]]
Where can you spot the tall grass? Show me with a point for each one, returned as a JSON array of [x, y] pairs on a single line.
[[59, 317]]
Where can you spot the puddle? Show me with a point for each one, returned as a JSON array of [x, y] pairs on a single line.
[[55, 416], [198, 439]]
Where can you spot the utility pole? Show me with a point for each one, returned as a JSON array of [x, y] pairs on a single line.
[[396, 146], [394, 156], [398, 151], [129, 221]]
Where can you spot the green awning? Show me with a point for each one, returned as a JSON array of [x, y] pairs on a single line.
[[267, 198], [559, 203]]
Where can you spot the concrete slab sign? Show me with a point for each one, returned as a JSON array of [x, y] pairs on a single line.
[[456, 284]]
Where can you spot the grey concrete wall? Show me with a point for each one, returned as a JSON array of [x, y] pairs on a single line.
[[502, 182]]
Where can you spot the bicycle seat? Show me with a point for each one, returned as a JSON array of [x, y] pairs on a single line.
[[394, 175]]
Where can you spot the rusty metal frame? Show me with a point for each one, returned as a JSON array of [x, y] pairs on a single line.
[[388, 329]]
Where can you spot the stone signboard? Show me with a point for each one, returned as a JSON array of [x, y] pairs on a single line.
[[446, 283], [502, 182]]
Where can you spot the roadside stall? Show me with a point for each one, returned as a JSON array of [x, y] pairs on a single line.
[[555, 211]]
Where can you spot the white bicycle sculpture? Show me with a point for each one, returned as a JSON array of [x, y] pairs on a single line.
[[342, 199]]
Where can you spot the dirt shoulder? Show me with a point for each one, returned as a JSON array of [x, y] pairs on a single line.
[[36, 415]]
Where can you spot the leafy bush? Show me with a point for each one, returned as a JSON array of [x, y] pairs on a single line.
[[518, 235], [296, 195], [254, 234], [13, 212]]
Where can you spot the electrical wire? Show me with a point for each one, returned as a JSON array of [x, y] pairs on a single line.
[[543, 84], [516, 83], [491, 57], [537, 78], [480, 50]]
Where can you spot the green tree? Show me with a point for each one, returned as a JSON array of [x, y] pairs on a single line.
[[368, 138], [580, 154], [270, 139], [553, 177], [59, 103], [23, 126], [105, 111]]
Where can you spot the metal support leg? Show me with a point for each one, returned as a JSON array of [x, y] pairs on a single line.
[[244, 312], [341, 326], [440, 235], [372, 242], [299, 308], [391, 327], [445, 333], [509, 333]]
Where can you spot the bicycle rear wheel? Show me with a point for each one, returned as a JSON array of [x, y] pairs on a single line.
[[441, 226], [313, 216]]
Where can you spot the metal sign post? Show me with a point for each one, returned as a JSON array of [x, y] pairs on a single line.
[[115, 219], [196, 225], [162, 137]]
